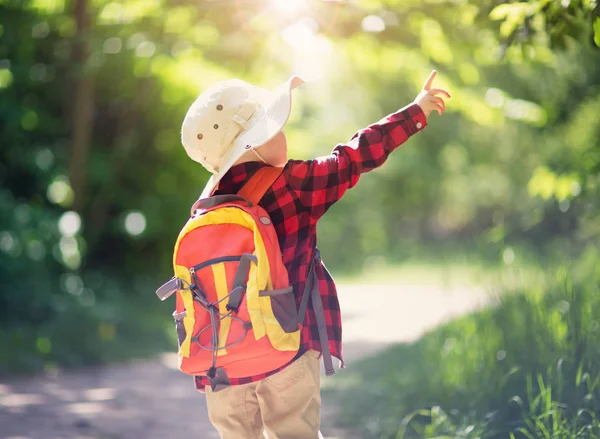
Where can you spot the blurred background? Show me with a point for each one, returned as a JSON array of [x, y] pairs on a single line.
[[502, 192]]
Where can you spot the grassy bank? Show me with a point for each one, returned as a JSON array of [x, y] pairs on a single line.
[[110, 330], [527, 367]]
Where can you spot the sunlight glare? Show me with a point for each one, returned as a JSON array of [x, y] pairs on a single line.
[[312, 51], [299, 36], [287, 7]]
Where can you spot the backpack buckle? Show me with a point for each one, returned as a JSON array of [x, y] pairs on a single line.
[[168, 288]]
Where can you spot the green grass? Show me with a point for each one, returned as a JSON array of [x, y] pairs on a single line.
[[110, 331], [526, 368]]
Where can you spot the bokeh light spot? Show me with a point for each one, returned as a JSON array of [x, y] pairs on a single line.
[[6, 78], [44, 345], [60, 192], [68, 246], [494, 98], [72, 284], [112, 13], [373, 23], [135, 40], [146, 49], [135, 223], [69, 250], [7, 242], [44, 159], [69, 223], [508, 256], [30, 120], [520, 109], [40, 30], [112, 45]]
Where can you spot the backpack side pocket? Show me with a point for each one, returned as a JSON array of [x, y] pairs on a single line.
[[283, 304]]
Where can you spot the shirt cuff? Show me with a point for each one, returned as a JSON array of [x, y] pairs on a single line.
[[411, 117]]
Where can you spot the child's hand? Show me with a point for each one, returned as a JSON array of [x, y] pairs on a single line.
[[428, 99]]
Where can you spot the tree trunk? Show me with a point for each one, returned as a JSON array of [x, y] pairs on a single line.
[[83, 105]]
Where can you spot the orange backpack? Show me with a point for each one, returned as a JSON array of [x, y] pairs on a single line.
[[236, 313]]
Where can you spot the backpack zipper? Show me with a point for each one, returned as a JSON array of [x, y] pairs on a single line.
[[215, 261]]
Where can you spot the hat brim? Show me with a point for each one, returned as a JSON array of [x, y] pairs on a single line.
[[268, 120]]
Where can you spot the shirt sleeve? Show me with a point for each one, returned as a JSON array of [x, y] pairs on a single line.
[[320, 182]]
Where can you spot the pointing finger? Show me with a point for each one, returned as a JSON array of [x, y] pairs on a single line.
[[429, 80]]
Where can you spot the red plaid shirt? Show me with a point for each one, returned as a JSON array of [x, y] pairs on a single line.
[[302, 195]]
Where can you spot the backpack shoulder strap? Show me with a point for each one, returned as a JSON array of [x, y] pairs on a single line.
[[254, 189]]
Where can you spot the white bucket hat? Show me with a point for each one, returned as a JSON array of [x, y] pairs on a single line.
[[229, 119]]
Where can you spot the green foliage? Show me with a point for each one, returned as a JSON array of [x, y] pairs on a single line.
[[514, 162], [553, 22], [529, 366]]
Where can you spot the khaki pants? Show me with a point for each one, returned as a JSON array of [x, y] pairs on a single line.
[[287, 404]]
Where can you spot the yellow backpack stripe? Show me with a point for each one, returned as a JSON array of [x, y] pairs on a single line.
[[222, 291]]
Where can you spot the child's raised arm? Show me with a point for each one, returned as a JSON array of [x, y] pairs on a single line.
[[320, 182]]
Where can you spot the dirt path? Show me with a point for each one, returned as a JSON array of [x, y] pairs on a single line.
[[152, 400]]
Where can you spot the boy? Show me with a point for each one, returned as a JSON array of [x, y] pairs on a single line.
[[233, 129]]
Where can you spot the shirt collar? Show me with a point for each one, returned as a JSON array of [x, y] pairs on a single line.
[[234, 179]]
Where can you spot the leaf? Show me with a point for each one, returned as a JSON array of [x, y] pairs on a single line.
[[516, 10], [48, 6], [502, 11], [597, 31], [513, 15]]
